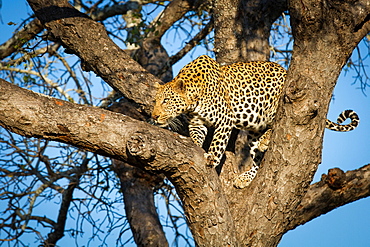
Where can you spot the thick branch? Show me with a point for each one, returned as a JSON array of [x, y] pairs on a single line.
[[106, 59], [132, 141], [137, 185], [113, 10], [334, 190], [90, 128]]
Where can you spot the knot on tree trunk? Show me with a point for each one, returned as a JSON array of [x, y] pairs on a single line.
[[335, 179], [140, 147]]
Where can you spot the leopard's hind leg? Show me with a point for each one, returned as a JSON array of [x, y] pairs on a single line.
[[258, 145]]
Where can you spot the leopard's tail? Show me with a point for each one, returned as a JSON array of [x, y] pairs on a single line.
[[355, 120]]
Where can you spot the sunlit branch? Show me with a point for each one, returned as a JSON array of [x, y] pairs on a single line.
[[113, 10], [335, 189], [138, 143]]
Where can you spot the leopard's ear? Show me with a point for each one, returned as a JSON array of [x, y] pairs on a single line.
[[180, 86]]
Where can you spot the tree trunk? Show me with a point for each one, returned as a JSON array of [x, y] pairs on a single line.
[[137, 188]]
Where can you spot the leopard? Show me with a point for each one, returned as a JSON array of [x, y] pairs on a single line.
[[243, 95]]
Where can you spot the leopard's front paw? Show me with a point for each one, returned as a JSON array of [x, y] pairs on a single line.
[[242, 181]]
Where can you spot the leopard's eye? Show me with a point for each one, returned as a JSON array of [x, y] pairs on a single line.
[[165, 101]]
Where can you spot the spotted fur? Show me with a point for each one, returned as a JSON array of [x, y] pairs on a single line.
[[240, 95]]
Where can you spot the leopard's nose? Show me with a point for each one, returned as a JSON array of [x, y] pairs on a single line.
[[155, 117]]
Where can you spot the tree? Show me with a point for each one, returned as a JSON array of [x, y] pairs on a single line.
[[279, 199]]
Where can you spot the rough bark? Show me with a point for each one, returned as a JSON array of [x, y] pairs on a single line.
[[137, 185], [137, 189], [270, 203], [173, 10]]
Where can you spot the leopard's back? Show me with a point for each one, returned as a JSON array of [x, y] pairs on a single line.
[[254, 90]]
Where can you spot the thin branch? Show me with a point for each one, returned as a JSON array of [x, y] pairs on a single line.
[[42, 77], [73, 75], [190, 45], [27, 33], [33, 217], [67, 197], [50, 49], [102, 55], [32, 203]]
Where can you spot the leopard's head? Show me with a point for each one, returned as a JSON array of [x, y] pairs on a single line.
[[170, 102], [182, 94]]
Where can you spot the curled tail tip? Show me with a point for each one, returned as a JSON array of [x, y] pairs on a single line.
[[347, 114], [351, 114], [355, 120]]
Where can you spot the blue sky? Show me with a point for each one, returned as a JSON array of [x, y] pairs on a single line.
[[345, 226]]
